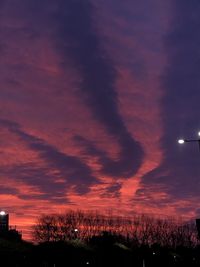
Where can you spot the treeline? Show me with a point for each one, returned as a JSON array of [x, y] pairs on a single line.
[[79, 238], [138, 231]]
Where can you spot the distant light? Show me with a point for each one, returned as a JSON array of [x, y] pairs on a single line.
[[154, 253], [198, 133], [87, 262], [76, 230], [181, 141], [2, 213]]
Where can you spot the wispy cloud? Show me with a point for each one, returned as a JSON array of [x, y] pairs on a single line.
[[70, 170], [79, 40], [179, 172]]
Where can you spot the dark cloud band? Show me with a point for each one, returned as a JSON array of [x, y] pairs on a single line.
[[70, 168], [179, 171], [80, 40]]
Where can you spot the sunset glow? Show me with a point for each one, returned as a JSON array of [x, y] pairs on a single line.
[[91, 109]]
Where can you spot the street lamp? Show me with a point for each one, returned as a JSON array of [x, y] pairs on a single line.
[[76, 233], [182, 141]]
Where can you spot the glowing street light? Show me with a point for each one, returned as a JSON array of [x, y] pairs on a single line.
[[182, 141], [2, 213]]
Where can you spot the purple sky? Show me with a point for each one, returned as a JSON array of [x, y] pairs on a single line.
[[94, 96]]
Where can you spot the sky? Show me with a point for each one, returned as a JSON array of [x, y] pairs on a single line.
[[94, 95]]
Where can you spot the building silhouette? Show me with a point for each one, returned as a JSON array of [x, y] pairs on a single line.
[[4, 221], [7, 231]]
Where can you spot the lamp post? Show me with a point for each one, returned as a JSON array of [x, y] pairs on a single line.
[[76, 233], [182, 141]]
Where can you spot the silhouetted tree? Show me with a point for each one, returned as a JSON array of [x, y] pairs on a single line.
[[138, 230]]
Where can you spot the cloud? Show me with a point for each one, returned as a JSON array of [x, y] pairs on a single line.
[[179, 171], [108, 166], [8, 190], [38, 177], [78, 39], [112, 191], [70, 169]]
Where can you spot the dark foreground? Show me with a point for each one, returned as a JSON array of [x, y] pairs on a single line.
[[99, 252]]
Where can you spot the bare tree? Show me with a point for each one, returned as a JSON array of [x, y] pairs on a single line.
[[140, 229]]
